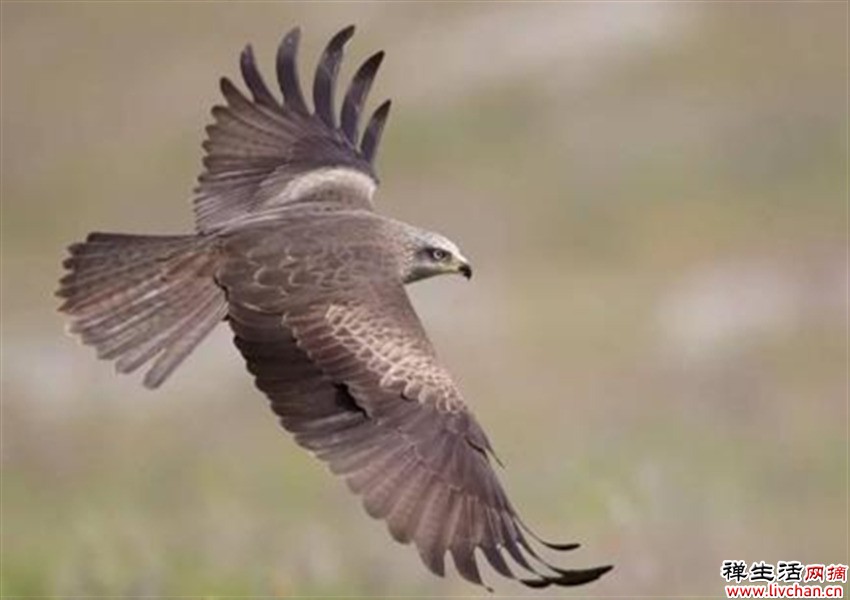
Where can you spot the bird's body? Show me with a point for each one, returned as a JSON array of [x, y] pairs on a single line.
[[291, 253]]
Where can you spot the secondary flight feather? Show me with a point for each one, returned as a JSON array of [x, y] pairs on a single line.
[[291, 254]]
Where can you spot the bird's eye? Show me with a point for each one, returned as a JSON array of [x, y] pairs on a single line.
[[438, 254]]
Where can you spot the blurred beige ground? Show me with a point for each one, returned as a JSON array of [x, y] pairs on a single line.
[[653, 196]]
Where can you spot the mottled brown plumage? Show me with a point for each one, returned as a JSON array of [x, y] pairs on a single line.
[[290, 252]]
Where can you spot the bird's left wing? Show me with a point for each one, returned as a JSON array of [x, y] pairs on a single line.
[[262, 153], [355, 379]]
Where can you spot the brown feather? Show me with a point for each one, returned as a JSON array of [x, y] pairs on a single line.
[[309, 278]]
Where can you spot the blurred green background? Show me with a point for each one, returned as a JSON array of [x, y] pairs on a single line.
[[654, 199]]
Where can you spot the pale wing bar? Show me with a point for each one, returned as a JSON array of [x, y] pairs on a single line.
[[262, 152]]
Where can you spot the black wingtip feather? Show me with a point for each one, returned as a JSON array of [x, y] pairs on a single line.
[[355, 98], [497, 561], [559, 546], [254, 80], [568, 578], [464, 559], [324, 85], [326, 74], [287, 72], [372, 135], [231, 93]]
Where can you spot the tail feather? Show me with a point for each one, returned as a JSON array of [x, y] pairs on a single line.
[[131, 260], [185, 338], [138, 299], [133, 324]]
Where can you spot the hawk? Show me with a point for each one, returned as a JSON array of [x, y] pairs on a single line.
[[290, 252]]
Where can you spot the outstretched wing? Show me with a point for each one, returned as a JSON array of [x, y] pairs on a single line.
[[262, 153], [355, 379]]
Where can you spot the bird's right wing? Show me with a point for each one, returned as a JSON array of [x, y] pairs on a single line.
[[262, 153], [355, 379]]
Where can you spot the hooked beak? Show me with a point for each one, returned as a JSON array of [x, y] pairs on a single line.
[[465, 270]]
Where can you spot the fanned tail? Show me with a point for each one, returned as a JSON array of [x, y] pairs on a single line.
[[138, 299]]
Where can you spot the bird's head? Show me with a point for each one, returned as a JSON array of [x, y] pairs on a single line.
[[431, 254]]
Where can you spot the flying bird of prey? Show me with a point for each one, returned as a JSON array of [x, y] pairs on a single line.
[[290, 252]]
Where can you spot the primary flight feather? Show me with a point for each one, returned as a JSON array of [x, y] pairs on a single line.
[[291, 254]]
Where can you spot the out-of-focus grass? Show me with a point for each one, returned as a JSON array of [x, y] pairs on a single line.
[[653, 198]]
